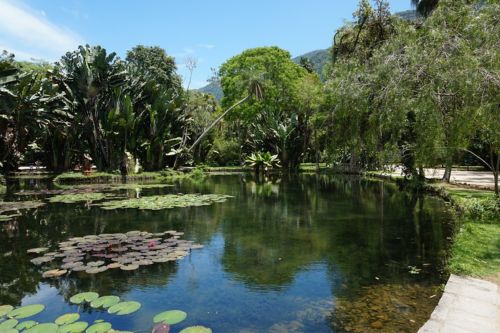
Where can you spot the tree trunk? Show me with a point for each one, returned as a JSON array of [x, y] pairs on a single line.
[[216, 121], [496, 170], [447, 170]]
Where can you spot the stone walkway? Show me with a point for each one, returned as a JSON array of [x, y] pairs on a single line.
[[483, 179], [467, 306]]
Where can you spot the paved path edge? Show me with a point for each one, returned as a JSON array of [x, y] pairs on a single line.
[[468, 305]]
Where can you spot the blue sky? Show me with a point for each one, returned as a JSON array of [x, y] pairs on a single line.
[[209, 31]]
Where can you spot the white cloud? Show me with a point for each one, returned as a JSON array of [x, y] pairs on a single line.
[[206, 46], [32, 34]]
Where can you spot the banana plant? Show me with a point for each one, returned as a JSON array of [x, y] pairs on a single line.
[[89, 76], [30, 103]]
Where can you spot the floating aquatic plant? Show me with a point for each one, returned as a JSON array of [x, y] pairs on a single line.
[[4, 309], [94, 254], [77, 197], [10, 209], [99, 328], [105, 302], [196, 329], [67, 318], [84, 297], [77, 327], [26, 325], [133, 186], [68, 323], [124, 308], [26, 311], [170, 317], [158, 202]]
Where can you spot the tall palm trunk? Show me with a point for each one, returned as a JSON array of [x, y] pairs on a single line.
[[216, 121]]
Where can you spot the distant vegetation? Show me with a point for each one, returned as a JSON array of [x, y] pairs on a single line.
[[392, 89]]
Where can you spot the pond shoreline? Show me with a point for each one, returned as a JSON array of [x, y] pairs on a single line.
[[459, 307]]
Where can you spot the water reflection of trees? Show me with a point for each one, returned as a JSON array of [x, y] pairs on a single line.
[[271, 230], [365, 230]]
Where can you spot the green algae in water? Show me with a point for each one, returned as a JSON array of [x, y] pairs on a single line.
[[78, 197], [167, 201]]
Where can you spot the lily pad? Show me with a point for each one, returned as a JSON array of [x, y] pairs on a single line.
[[158, 202], [4, 309], [8, 324], [171, 317], [44, 328], [196, 329], [124, 308], [54, 273], [37, 250], [67, 318], [77, 197], [84, 297], [26, 325], [105, 302], [77, 327], [26, 311], [99, 328], [9, 330]]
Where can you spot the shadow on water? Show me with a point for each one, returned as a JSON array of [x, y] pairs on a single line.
[[305, 253]]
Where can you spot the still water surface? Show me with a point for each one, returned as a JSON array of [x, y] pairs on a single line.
[[303, 254]]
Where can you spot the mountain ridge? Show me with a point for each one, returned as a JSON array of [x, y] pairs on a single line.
[[319, 58]]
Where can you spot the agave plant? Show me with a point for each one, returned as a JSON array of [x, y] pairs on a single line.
[[262, 161]]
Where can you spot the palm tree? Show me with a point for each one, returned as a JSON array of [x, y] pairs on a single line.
[[254, 83], [424, 7]]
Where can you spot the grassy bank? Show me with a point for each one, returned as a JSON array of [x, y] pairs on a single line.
[[476, 247]]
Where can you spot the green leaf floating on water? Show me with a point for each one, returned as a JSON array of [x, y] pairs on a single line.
[[77, 327], [105, 302], [78, 197], [26, 324], [4, 309], [84, 297], [157, 202], [67, 318], [44, 328], [196, 329], [26, 311], [124, 308], [9, 330], [8, 324], [99, 328], [171, 317]]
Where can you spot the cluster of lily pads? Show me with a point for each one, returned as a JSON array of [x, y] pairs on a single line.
[[10, 318], [158, 202], [126, 251], [10, 209]]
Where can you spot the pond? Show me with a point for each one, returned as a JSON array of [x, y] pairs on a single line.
[[308, 253]]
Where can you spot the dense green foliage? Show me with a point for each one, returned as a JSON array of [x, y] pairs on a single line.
[[416, 93]]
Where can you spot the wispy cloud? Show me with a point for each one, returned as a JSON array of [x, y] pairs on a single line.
[[31, 33], [206, 46]]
